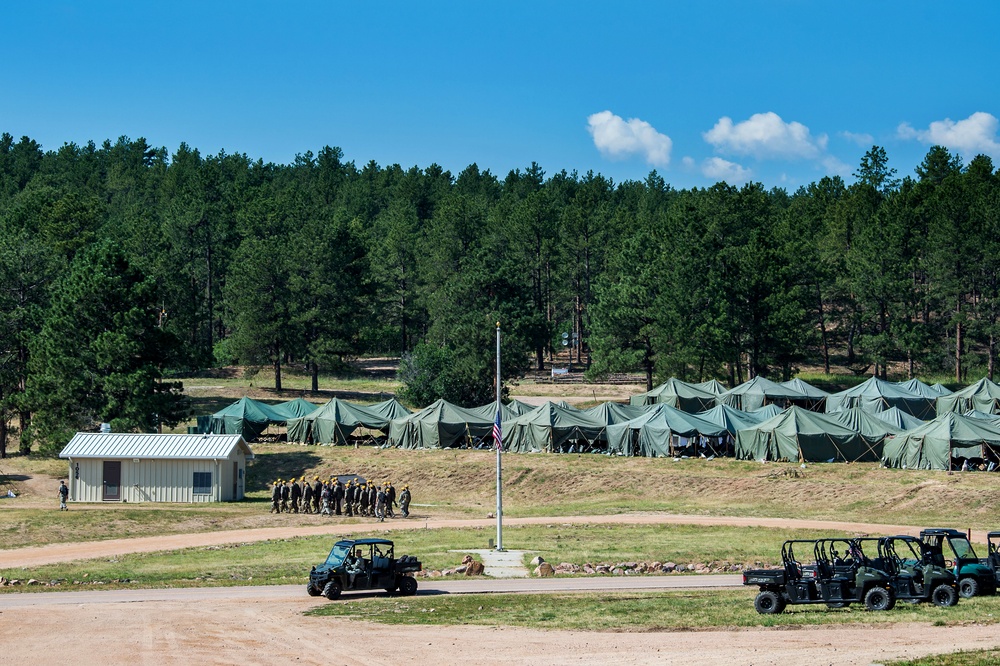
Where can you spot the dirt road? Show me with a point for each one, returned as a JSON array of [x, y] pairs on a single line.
[[39, 555], [273, 630]]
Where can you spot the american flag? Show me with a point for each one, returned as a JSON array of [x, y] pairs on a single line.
[[497, 434]]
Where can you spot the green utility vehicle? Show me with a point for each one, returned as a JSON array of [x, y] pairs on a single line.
[[974, 577], [837, 574], [911, 570], [992, 559], [363, 564]]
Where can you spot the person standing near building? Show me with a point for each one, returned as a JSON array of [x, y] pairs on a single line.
[[63, 496], [404, 502]]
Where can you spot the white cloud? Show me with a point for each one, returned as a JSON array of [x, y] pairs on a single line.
[[832, 165], [619, 139], [862, 139], [688, 163], [720, 169], [972, 136], [766, 135]]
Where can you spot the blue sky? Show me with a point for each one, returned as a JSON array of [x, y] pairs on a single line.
[[779, 92]]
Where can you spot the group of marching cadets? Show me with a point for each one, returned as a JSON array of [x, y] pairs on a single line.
[[333, 497]]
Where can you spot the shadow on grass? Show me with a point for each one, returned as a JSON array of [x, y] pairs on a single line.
[[285, 465]]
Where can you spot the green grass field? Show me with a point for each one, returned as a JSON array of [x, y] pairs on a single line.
[[970, 658]]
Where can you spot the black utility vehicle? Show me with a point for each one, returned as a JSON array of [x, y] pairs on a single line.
[[363, 564], [911, 570], [974, 577], [992, 559], [837, 575]]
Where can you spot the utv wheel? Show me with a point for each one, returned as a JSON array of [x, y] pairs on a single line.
[[407, 586], [313, 590], [879, 599], [768, 603], [968, 588], [332, 590], [944, 596]]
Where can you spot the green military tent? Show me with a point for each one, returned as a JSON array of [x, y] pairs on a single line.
[[872, 428], [816, 395], [650, 434], [798, 434], [983, 396], [992, 419], [246, 417], [920, 388], [553, 428], [615, 412], [517, 407], [335, 422], [680, 395], [941, 389], [875, 395], [442, 425], [766, 412], [899, 419], [390, 409], [760, 392], [713, 386], [294, 409], [730, 418], [934, 444]]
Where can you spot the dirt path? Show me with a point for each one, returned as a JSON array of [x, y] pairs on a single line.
[[52, 553], [272, 631]]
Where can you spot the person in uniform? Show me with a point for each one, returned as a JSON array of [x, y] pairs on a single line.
[[296, 495], [338, 497], [372, 498], [276, 497], [349, 492], [404, 502], [325, 496], [63, 495], [317, 492], [390, 497], [361, 499], [380, 501], [285, 494], [307, 496]]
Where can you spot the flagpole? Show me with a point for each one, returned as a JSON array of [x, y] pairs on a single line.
[[498, 447]]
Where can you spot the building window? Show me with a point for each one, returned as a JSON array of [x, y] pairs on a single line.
[[202, 483]]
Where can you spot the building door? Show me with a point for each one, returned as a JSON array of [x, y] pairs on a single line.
[[112, 480], [236, 474]]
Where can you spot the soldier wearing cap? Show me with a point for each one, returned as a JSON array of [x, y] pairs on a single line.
[[296, 495], [307, 496], [276, 497], [317, 493], [404, 502], [285, 494], [390, 499]]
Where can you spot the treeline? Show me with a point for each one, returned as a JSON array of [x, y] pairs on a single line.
[[121, 264]]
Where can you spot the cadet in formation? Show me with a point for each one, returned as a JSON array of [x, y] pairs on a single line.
[[334, 497]]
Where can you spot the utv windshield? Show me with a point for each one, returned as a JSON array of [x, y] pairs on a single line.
[[337, 555], [962, 547]]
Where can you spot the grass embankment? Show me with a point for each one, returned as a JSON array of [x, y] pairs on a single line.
[[964, 658], [460, 484], [660, 611], [284, 561]]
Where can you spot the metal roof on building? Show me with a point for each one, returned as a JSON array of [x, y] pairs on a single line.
[[146, 446]]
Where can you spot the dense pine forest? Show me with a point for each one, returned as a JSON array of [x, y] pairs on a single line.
[[123, 267]]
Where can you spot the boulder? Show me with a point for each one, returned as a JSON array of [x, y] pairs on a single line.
[[617, 571], [461, 569], [603, 569], [694, 566], [589, 569], [32, 581], [475, 568], [536, 560], [667, 567], [544, 570], [466, 559], [680, 568]]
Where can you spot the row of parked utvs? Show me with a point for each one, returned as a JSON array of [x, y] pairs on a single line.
[[938, 567]]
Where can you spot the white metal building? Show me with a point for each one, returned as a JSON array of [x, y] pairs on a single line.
[[129, 467]]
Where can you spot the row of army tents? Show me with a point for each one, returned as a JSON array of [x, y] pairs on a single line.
[[905, 424], [758, 420]]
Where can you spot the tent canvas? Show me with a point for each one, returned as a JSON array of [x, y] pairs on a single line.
[[649, 434], [390, 409], [765, 413], [800, 435], [294, 409], [817, 395], [871, 427], [442, 425], [246, 417], [875, 395], [759, 392], [678, 394], [941, 389], [730, 418], [615, 412], [549, 427], [713, 386], [899, 419], [934, 444], [983, 396], [334, 423], [920, 388]]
